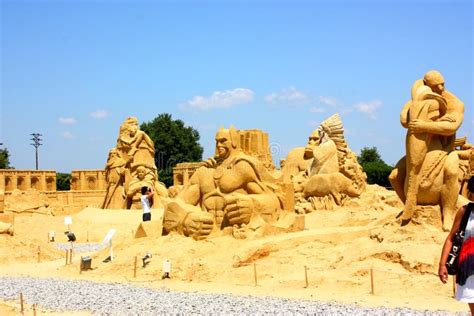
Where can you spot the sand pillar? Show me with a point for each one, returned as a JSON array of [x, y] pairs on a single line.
[[82, 180]]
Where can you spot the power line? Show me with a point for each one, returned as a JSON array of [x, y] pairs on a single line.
[[36, 143]]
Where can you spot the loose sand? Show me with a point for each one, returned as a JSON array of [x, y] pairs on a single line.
[[338, 247]]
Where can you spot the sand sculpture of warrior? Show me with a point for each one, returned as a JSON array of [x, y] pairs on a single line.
[[134, 155], [428, 174], [326, 166], [231, 189]]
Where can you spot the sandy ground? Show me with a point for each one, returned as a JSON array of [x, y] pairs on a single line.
[[340, 249]]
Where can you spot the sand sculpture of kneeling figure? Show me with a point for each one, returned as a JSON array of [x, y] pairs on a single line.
[[230, 190], [428, 174]]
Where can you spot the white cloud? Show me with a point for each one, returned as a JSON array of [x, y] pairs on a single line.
[[99, 114], [332, 101], [368, 108], [220, 100], [287, 95], [67, 120], [317, 110], [67, 135]]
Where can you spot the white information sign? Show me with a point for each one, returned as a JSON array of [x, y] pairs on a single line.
[[109, 236], [68, 220]]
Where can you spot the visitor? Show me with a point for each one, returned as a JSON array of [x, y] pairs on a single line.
[[465, 273], [147, 196]]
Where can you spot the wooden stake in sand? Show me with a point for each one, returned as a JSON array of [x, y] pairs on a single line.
[[372, 290], [306, 275], [135, 267], [255, 273], [67, 255], [454, 286], [34, 309], [39, 254], [22, 308], [70, 255], [80, 266]]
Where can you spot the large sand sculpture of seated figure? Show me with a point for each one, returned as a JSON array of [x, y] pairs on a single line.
[[231, 189], [428, 174], [326, 171], [134, 151]]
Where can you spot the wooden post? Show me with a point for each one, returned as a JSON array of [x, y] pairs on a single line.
[[454, 286], [135, 267], [67, 255], [70, 255], [306, 275], [255, 273], [34, 309], [39, 254], [22, 308], [80, 266], [372, 290]]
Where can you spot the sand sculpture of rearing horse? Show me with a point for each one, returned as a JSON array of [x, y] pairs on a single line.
[[428, 174]]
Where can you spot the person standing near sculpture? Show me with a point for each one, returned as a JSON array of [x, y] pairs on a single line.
[[147, 201], [231, 188], [465, 274], [437, 179]]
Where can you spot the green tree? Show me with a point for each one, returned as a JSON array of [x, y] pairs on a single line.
[[174, 143], [376, 169], [4, 159], [63, 181]]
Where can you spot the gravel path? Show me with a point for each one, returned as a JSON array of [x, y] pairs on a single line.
[[121, 299]]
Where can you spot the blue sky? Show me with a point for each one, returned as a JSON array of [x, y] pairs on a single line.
[[73, 71]]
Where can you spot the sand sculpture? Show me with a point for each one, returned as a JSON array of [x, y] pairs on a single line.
[[231, 190], [325, 172], [465, 153], [131, 165], [428, 174]]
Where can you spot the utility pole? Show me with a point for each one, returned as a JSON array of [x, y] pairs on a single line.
[[36, 143]]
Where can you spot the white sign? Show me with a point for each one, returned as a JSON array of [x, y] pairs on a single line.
[[68, 220], [166, 266], [109, 236]]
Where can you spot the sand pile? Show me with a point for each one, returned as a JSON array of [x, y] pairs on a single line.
[[336, 253]]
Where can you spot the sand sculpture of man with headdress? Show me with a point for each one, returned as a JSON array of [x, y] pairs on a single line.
[[428, 174], [133, 158], [326, 167], [231, 189]]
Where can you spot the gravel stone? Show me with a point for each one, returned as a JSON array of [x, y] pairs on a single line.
[[123, 299]]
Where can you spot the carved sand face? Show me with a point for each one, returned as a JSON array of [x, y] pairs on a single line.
[[133, 128], [141, 173], [435, 81], [223, 144], [313, 141]]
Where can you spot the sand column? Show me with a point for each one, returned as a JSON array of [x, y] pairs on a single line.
[[100, 180], [2, 182], [28, 181], [185, 176], [43, 182], [82, 180]]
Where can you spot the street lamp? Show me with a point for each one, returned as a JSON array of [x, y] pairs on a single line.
[[36, 143]]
